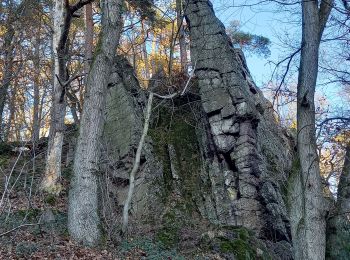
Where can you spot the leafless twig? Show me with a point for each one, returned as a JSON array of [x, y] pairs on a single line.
[[20, 226]]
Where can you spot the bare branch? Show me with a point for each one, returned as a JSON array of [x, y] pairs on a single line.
[[325, 10], [65, 84], [136, 164], [79, 5], [171, 96], [320, 125], [289, 58], [189, 79], [20, 226]]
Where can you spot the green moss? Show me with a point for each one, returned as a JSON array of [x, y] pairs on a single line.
[[243, 233], [5, 151], [160, 139], [238, 241], [168, 237], [30, 213], [176, 128], [239, 247], [168, 234], [50, 199], [4, 160], [152, 249]]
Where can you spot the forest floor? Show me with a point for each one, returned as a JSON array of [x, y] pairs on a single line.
[[34, 225]]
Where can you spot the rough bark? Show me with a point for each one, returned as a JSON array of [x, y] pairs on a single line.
[[62, 17], [308, 208], [246, 157], [89, 36], [50, 182], [83, 217], [338, 225]]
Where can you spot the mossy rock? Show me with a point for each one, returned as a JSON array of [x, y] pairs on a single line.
[[31, 214], [168, 235], [234, 242], [67, 172], [176, 128], [5, 152], [50, 199], [288, 189], [240, 248], [4, 160]]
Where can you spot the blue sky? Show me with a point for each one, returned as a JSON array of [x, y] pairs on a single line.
[[267, 21], [260, 21]]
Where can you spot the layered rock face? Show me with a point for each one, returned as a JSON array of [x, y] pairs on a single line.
[[246, 156]]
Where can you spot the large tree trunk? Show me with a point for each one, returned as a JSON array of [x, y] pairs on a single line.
[[83, 217], [308, 208]]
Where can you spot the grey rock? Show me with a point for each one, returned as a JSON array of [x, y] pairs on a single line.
[[228, 110], [242, 124], [224, 143], [122, 132]]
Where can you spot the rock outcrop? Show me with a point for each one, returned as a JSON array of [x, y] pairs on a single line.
[[122, 132], [246, 157], [217, 151]]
